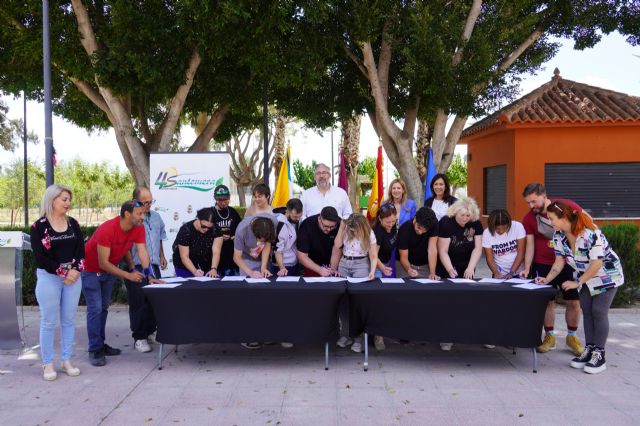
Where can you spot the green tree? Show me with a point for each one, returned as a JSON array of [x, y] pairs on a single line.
[[303, 175], [367, 167], [12, 187], [11, 130], [457, 173]]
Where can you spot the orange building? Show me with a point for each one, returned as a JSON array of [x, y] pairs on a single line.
[[582, 142]]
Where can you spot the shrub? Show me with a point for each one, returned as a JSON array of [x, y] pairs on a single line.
[[624, 239]]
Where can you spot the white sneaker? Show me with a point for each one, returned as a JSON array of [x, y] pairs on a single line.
[[344, 341], [286, 345], [489, 346], [152, 338], [378, 342], [446, 346], [142, 346], [356, 347]]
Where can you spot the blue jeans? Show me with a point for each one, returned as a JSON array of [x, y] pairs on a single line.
[[97, 288], [56, 299]]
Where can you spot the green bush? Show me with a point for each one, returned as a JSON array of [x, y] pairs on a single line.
[[623, 239]]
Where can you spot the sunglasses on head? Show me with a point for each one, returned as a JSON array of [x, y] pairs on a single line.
[[556, 208], [137, 203], [388, 207]]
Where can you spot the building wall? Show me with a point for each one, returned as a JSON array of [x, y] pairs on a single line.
[[526, 149]]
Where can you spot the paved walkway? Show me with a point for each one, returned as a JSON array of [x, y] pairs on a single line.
[[413, 384]]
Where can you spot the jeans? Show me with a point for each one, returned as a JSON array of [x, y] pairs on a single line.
[[141, 318], [357, 268], [56, 299], [97, 288]]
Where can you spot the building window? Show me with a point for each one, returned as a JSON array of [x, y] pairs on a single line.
[[495, 188], [605, 190]]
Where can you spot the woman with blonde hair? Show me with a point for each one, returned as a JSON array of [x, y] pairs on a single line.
[[58, 247], [357, 244], [459, 243], [397, 195]]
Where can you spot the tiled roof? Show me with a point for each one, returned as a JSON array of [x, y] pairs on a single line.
[[564, 101]]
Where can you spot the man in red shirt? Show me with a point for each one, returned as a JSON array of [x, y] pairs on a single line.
[[105, 249], [538, 260]]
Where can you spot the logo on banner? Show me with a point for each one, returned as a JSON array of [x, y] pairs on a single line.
[[169, 178]]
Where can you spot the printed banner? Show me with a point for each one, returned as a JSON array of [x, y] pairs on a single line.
[[181, 184]]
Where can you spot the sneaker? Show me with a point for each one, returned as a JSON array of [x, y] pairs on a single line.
[[97, 358], [251, 345], [68, 368], [574, 345], [151, 339], [597, 363], [356, 347], [286, 345], [142, 346], [489, 346], [109, 351], [548, 344], [49, 372], [585, 356], [344, 341], [378, 342], [446, 346]]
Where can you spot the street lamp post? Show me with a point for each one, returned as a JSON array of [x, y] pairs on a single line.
[[46, 64]]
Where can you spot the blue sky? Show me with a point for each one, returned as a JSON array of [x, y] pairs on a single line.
[[612, 64]]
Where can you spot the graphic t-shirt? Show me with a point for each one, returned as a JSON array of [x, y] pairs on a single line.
[[505, 246], [200, 246], [227, 221], [462, 240]]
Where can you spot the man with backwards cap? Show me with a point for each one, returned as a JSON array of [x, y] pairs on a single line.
[[226, 219]]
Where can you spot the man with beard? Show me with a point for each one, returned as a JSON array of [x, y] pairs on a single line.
[[324, 194], [538, 260]]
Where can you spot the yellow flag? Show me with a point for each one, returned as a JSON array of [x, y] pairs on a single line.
[[283, 185]]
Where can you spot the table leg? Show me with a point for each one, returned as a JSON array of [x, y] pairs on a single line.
[[326, 356], [514, 350], [535, 360], [176, 348], [366, 352], [160, 356]]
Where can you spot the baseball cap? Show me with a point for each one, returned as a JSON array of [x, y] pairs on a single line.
[[221, 192]]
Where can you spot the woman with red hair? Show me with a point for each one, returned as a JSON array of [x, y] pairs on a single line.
[[598, 272]]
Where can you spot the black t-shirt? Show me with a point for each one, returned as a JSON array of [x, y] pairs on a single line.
[[227, 221], [387, 241], [313, 241], [54, 251], [418, 245], [199, 246], [462, 240]]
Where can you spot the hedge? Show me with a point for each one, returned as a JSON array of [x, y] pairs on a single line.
[[623, 238]]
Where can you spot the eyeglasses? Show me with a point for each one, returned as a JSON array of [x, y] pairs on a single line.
[[327, 227], [149, 203], [322, 173]]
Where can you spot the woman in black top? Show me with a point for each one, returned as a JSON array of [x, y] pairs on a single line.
[[58, 247], [441, 198], [386, 232], [196, 250]]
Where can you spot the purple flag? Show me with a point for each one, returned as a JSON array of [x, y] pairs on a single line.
[[342, 177]]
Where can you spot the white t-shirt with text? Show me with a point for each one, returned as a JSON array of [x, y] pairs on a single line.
[[505, 246]]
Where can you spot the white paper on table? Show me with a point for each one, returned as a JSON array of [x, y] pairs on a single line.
[[392, 280], [174, 280], [331, 279], [170, 285], [425, 281], [312, 279], [257, 280], [491, 280], [518, 281], [358, 280], [286, 279], [531, 286], [203, 278], [461, 280], [233, 278]]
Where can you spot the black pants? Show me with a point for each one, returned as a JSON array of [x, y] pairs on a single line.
[[141, 317]]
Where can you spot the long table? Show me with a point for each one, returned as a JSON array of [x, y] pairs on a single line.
[[497, 314], [233, 312]]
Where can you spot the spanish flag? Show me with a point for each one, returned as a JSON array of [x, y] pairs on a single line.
[[377, 190], [283, 185]]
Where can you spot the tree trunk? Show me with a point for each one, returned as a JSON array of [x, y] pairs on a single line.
[[423, 142], [350, 147], [278, 144]]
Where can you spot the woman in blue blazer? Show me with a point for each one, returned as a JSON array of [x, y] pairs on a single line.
[[397, 196]]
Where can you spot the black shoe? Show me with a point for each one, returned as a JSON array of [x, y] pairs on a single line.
[[109, 351], [585, 356], [597, 362], [97, 358]]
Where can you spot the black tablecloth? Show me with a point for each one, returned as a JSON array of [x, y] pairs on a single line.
[[496, 314], [232, 312]]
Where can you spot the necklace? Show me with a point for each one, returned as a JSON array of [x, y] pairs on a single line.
[[220, 214]]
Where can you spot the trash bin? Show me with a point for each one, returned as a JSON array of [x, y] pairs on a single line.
[[12, 244]]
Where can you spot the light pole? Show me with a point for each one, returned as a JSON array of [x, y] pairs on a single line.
[[25, 162], [46, 65]]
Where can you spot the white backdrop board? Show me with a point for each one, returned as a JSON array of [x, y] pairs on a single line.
[[181, 184]]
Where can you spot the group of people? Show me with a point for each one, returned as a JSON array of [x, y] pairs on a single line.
[[557, 243]]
